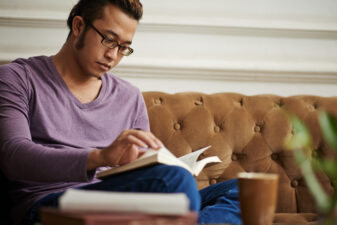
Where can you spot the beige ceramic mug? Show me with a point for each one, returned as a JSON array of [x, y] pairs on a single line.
[[258, 197]]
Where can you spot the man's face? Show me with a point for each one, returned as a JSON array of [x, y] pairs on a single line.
[[94, 58]]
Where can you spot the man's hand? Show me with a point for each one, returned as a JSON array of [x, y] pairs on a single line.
[[124, 149]]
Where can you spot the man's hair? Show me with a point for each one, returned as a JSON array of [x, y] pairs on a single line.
[[93, 9]]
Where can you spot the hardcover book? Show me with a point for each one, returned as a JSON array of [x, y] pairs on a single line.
[[52, 216], [106, 201]]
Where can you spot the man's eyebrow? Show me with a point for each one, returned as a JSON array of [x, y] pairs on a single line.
[[117, 36]]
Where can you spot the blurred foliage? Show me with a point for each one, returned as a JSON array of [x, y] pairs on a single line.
[[300, 141]]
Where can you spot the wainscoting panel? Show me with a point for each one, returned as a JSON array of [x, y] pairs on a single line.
[[260, 46]]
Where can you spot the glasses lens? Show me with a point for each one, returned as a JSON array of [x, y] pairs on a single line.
[[125, 50], [110, 43]]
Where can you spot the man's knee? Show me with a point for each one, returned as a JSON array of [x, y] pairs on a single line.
[[179, 180], [175, 175]]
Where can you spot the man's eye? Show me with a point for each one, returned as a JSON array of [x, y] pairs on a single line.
[[124, 47], [110, 41]]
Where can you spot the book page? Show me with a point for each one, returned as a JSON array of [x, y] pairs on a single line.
[[191, 158], [162, 150], [168, 158], [104, 201], [165, 156], [196, 166], [199, 165]]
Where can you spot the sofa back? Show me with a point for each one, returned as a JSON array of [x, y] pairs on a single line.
[[246, 132]]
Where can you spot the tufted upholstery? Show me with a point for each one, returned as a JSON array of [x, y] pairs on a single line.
[[247, 133]]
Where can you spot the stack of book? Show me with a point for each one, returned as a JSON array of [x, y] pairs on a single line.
[[82, 207]]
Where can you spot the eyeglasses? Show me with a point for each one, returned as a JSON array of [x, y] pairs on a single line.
[[111, 43]]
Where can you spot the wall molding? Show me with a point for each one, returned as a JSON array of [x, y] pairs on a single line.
[[160, 72], [313, 31], [32, 22], [284, 76], [174, 71]]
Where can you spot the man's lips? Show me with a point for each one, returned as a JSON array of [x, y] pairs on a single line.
[[104, 66]]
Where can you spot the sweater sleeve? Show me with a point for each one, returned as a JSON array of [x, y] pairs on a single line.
[[141, 121], [20, 158]]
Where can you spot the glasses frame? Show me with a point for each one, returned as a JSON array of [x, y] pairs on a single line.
[[114, 42]]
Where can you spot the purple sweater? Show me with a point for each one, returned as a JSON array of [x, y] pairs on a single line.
[[46, 133]]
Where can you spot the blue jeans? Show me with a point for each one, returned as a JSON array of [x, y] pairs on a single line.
[[217, 203]]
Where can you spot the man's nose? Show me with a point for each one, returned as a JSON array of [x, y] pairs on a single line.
[[112, 53]]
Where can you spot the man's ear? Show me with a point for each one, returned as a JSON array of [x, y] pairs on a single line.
[[78, 26]]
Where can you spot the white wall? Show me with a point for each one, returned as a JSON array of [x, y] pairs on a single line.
[[283, 47]]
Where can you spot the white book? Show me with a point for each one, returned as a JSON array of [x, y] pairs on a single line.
[[164, 156], [104, 201]]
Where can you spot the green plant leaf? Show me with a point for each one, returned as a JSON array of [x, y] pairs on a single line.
[[329, 128], [301, 139], [328, 166], [320, 196]]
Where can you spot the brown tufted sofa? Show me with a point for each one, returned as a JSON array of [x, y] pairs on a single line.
[[247, 133]]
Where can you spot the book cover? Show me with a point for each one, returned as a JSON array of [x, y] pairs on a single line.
[[106, 201], [52, 216]]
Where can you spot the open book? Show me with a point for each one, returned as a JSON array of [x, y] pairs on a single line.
[[164, 156]]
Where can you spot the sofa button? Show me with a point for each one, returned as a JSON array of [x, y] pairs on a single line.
[[177, 126], [294, 183], [234, 157], [158, 101], [274, 156], [257, 128], [217, 129], [213, 181], [198, 102], [280, 103], [241, 102]]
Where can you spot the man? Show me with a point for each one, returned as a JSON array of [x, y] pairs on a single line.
[[64, 118]]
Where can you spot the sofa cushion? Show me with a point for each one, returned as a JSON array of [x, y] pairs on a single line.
[[295, 218], [246, 132]]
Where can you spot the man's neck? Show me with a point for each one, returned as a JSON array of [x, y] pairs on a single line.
[[69, 68], [84, 87]]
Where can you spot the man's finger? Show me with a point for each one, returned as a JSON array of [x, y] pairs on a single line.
[[130, 155], [136, 141], [147, 138]]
